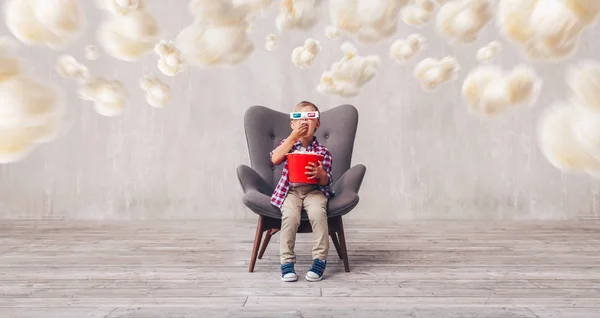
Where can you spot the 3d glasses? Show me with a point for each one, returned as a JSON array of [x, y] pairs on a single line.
[[302, 115]]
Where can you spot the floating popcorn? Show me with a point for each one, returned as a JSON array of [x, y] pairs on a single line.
[[119, 7], [10, 64], [332, 32], [304, 56], [432, 73], [108, 96], [346, 77], [569, 132], [170, 60], [489, 52], [251, 27], [271, 42], [218, 35], [418, 13], [297, 14], [370, 21], [127, 37], [403, 50], [583, 80], [91, 52], [462, 20], [68, 67], [546, 30], [30, 110], [489, 91], [52, 23], [157, 92]]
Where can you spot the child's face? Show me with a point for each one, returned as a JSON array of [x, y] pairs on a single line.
[[313, 124]]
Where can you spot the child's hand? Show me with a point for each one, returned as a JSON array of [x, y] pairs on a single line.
[[315, 171], [299, 131]]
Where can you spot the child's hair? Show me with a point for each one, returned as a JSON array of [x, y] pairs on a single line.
[[305, 104]]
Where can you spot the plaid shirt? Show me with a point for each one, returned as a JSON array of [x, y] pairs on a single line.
[[283, 186]]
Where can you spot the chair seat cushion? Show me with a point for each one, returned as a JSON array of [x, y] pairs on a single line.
[[260, 204]]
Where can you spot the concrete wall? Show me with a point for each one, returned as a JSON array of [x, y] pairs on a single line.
[[427, 158]]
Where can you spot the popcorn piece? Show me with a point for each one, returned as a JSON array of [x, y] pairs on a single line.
[[10, 64], [67, 66], [30, 111], [127, 37], [370, 21], [251, 27], [559, 140], [546, 30], [52, 23], [418, 13], [346, 77], [91, 52], [271, 42], [119, 7], [304, 56], [297, 14], [462, 20], [489, 52], [170, 60], [432, 73], [583, 80], [157, 92], [218, 36], [489, 91], [404, 50], [332, 32], [108, 96]]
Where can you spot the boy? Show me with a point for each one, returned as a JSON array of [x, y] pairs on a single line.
[[290, 198]]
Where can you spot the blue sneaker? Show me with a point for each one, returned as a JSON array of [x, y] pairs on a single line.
[[315, 273], [287, 272]]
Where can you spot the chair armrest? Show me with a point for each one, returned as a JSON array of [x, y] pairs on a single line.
[[351, 180], [250, 180]]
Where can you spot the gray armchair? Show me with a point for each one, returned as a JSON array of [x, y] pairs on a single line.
[[265, 128]]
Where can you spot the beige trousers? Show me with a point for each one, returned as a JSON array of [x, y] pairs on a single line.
[[315, 204]]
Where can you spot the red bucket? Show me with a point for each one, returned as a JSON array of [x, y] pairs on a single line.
[[297, 163]]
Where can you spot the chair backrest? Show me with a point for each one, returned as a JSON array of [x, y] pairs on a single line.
[[265, 128]]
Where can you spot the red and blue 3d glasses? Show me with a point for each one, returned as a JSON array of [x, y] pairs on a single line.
[[303, 115]]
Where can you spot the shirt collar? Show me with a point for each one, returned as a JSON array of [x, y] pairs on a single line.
[[314, 143]]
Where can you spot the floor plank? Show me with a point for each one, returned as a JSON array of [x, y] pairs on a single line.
[[428, 269]]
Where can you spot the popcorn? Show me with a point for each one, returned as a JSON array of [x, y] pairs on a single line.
[[157, 92], [119, 7], [370, 21], [403, 50], [462, 20], [218, 35], [31, 111], [170, 60], [346, 77], [297, 14], [108, 96], [332, 32], [128, 37], [51, 23], [418, 13], [488, 90], [91, 52], [67, 66], [271, 42], [432, 73], [569, 131], [304, 56], [489, 52], [546, 30]]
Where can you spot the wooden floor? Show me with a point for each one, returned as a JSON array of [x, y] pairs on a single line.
[[200, 269]]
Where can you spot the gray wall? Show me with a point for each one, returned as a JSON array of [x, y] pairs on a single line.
[[427, 158]]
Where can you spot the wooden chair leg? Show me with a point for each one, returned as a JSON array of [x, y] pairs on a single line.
[[343, 245], [257, 239], [336, 243], [266, 242]]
